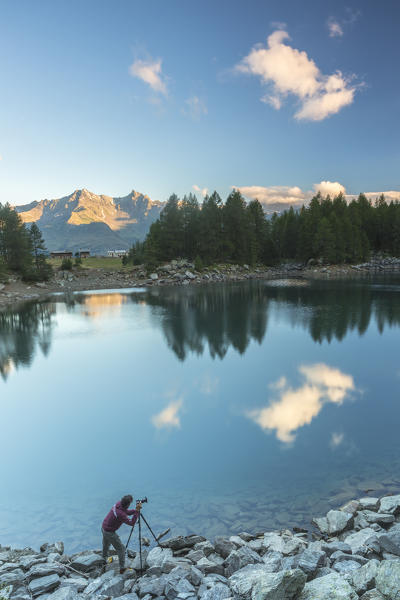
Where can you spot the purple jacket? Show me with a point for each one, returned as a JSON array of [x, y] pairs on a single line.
[[117, 516]]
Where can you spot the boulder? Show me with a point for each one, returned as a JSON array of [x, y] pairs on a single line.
[[205, 547], [334, 522], [239, 559], [195, 576], [87, 562], [387, 579], [369, 503], [361, 541], [390, 504], [175, 589], [363, 579], [272, 561], [332, 547], [329, 587], [179, 542], [6, 591], [152, 585], [284, 585], [12, 577], [64, 593], [27, 562], [273, 541], [223, 546], [41, 585], [310, 560], [195, 555], [153, 276], [156, 556], [372, 595], [243, 581], [237, 540], [136, 560], [77, 583], [350, 507], [374, 517], [219, 591], [45, 569], [207, 566], [346, 566], [390, 541]]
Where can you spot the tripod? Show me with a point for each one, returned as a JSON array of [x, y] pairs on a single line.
[[156, 539]]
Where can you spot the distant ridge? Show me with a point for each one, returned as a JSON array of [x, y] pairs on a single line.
[[95, 222]]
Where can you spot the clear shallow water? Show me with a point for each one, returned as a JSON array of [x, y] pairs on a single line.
[[233, 407]]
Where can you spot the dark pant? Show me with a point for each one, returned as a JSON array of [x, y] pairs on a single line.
[[111, 538]]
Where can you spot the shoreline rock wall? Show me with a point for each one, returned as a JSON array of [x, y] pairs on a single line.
[[354, 553]]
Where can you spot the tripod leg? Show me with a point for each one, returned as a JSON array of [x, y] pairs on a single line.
[[140, 543], [150, 529]]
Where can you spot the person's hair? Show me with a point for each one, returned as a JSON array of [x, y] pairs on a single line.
[[126, 500]]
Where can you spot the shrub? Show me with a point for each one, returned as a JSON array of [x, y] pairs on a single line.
[[66, 264], [198, 263]]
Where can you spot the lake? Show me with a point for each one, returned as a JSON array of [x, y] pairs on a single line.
[[240, 407]]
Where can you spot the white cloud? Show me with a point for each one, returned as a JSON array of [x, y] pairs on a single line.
[[195, 107], [335, 28], [290, 71], [202, 191], [282, 194], [150, 73], [336, 440], [297, 407], [168, 417], [329, 188], [390, 196]]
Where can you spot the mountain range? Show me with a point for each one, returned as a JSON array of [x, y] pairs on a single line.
[[98, 223]]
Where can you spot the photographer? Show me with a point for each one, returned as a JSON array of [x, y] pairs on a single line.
[[118, 514]]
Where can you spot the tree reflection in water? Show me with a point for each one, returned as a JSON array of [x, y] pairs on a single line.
[[21, 332]]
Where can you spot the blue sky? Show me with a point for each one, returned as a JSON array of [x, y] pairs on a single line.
[[279, 98]]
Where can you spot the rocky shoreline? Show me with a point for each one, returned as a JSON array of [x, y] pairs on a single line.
[[182, 273], [353, 553]]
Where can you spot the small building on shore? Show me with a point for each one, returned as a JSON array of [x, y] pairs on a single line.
[[84, 253], [61, 254], [117, 253]]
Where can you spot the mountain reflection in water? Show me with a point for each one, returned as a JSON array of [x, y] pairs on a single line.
[[217, 316]]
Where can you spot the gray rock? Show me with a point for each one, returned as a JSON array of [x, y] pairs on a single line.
[[390, 504], [361, 541], [180, 542], [41, 585], [216, 558], [218, 592], [243, 581], [237, 540], [21, 593], [332, 547], [285, 585], [272, 561], [343, 556], [182, 586], [152, 585], [12, 577], [26, 562], [64, 593], [153, 276], [256, 545], [195, 576], [390, 541], [86, 562], [363, 579], [205, 547], [240, 558], [45, 569], [273, 541], [346, 566], [369, 503], [130, 596], [95, 585], [387, 579], [195, 555], [156, 556], [157, 571], [293, 546], [329, 587], [207, 566], [350, 507], [372, 595], [309, 561], [374, 517], [7, 567], [223, 546], [77, 583], [334, 522]]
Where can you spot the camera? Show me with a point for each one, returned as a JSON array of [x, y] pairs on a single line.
[[142, 501]]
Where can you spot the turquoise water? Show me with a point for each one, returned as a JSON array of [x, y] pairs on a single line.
[[248, 406]]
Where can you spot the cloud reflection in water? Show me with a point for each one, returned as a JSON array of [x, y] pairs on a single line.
[[297, 407], [168, 417]]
